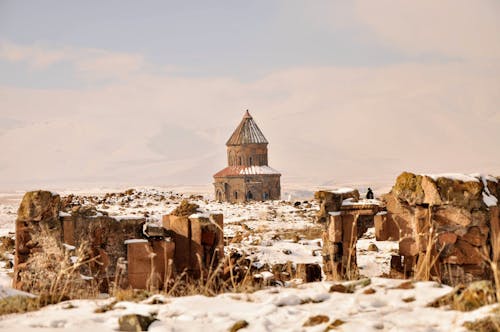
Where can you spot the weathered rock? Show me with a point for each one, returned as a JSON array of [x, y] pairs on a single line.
[[39, 205], [316, 320], [431, 192], [463, 253], [241, 324], [452, 216], [135, 322], [408, 247], [461, 194], [447, 238], [381, 227], [408, 188], [475, 237]]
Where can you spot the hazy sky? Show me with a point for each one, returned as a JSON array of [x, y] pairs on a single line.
[[147, 92]]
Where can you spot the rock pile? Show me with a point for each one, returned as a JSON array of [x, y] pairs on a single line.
[[446, 225]]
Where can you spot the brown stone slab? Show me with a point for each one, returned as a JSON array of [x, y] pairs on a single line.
[[335, 227], [68, 230], [381, 227]]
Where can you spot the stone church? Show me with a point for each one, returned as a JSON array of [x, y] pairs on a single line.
[[248, 176]]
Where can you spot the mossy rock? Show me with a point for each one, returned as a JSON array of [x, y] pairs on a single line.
[[39, 205], [467, 194], [408, 188]]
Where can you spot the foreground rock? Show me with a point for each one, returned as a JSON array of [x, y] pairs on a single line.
[[447, 226]]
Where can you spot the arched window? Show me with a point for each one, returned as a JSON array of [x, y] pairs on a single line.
[[239, 161], [266, 196], [250, 161], [235, 195], [249, 195]]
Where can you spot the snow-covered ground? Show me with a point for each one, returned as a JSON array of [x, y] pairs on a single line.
[[269, 233], [384, 308]]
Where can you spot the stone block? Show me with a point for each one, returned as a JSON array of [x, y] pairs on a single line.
[[68, 230], [452, 216], [495, 232], [446, 238], [463, 252], [181, 228], [164, 250], [148, 263], [349, 229], [140, 255], [431, 192], [335, 228], [475, 237], [408, 247], [165, 221], [381, 227]]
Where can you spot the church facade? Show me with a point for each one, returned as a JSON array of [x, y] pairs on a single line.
[[248, 176]]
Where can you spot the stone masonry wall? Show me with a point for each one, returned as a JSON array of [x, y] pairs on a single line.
[[113, 250], [449, 224]]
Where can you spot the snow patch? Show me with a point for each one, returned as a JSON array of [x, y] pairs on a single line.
[[453, 176], [345, 190], [135, 241], [69, 247], [251, 170]]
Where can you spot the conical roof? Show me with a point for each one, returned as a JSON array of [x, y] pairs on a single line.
[[247, 133]]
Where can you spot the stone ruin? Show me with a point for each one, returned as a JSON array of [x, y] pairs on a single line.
[[346, 218], [128, 251], [447, 227]]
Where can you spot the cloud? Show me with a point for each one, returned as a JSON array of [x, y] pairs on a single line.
[[453, 28], [324, 124], [88, 63]]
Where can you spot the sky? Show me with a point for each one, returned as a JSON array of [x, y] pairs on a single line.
[[147, 92]]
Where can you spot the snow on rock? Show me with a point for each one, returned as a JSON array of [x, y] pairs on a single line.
[[454, 176], [343, 190], [135, 241], [489, 200]]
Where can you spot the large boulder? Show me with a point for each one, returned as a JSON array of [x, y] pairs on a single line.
[[459, 191]]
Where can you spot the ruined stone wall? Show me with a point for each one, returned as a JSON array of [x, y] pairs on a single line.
[[104, 239], [42, 235], [343, 226], [443, 225], [101, 250], [199, 242]]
